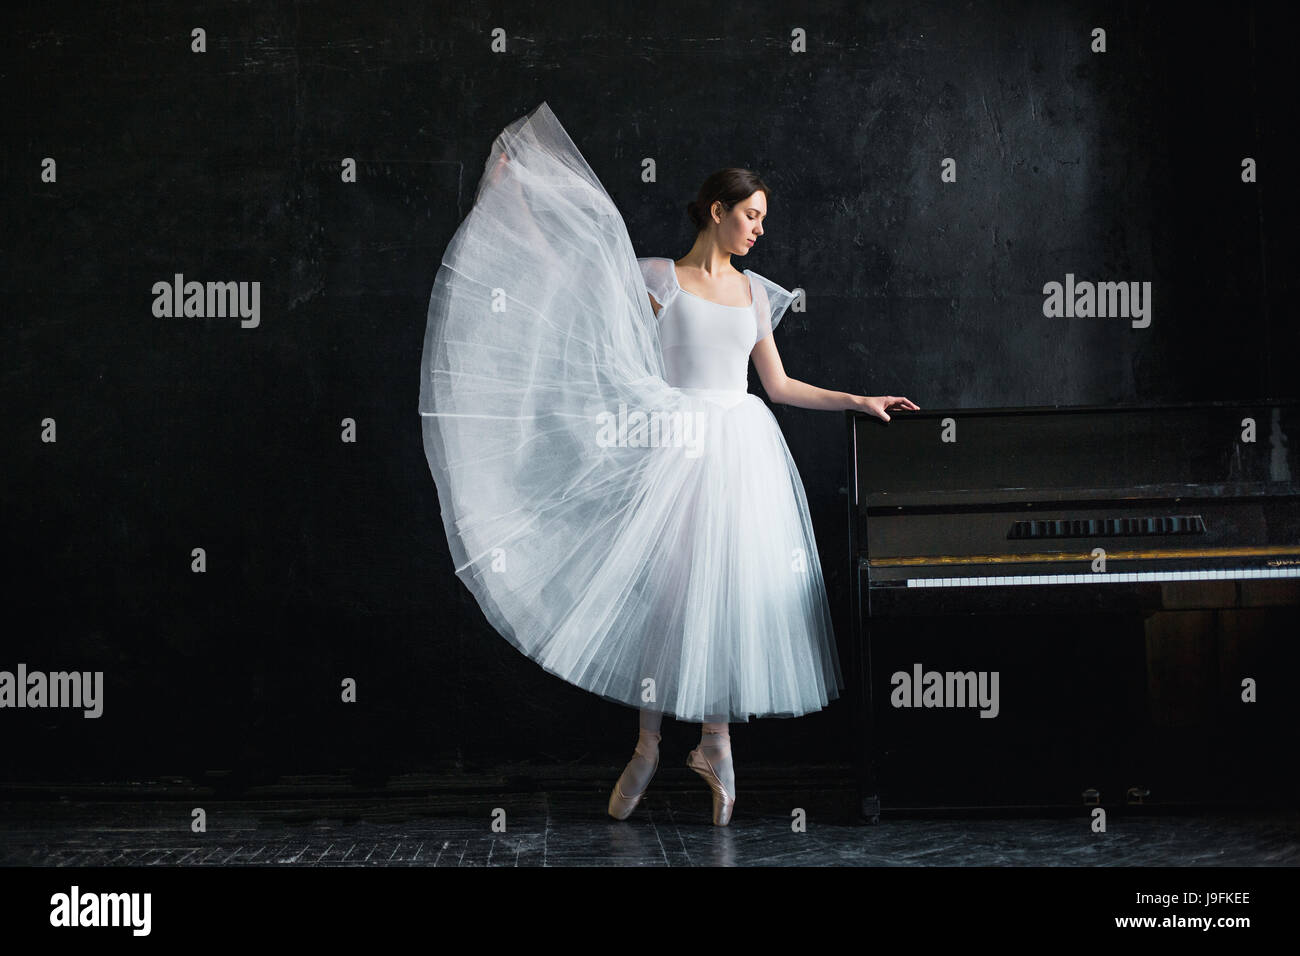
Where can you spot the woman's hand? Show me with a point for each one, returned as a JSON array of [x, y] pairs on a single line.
[[876, 404], [498, 169]]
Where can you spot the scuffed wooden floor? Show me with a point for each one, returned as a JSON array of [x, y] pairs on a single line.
[[414, 821]]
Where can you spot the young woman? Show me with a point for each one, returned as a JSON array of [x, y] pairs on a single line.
[[625, 512]]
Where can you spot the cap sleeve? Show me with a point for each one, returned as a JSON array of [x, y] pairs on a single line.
[[770, 303], [660, 279]]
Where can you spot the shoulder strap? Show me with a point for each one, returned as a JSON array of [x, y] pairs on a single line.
[[660, 278], [770, 303]]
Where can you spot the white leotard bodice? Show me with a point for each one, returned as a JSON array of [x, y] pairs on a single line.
[[705, 344]]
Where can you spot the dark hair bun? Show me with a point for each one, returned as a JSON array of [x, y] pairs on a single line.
[[727, 186], [693, 210]]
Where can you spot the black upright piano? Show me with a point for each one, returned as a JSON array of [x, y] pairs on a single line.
[[1059, 607]]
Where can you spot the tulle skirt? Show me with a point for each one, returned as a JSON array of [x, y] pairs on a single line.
[[647, 543]]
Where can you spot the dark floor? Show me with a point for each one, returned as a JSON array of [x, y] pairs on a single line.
[[418, 820]]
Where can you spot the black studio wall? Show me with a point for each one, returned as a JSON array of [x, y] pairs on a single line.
[[325, 557]]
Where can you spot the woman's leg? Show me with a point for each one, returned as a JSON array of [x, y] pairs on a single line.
[[640, 770], [715, 746], [637, 774]]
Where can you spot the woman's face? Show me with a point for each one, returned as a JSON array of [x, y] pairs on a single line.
[[742, 224]]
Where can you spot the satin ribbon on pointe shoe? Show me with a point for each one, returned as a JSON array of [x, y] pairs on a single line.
[[723, 802], [621, 804]]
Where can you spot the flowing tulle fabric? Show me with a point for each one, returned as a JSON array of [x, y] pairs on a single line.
[[647, 543]]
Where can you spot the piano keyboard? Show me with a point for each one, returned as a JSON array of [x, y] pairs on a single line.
[[1105, 577]]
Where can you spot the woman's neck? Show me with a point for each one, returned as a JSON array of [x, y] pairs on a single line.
[[708, 258]]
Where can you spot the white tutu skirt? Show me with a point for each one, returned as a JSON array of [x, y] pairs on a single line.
[[647, 543]]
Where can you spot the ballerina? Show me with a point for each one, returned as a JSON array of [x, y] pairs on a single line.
[[674, 577]]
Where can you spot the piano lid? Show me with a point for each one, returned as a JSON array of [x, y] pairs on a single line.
[[945, 460]]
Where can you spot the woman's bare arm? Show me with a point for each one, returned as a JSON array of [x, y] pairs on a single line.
[[503, 176], [784, 390]]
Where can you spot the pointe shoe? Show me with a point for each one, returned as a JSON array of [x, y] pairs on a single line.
[[723, 802], [621, 804]]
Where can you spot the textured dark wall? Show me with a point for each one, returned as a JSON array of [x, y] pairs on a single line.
[[327, 559]]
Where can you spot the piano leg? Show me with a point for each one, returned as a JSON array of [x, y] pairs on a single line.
[[870, 809], [865, 728]]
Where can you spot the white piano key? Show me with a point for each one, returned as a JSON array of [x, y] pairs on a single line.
[[1093, 577]]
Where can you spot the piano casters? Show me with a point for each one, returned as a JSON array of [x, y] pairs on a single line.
[[1135, 796]]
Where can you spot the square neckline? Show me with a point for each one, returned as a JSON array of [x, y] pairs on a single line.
[[672, 264]]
